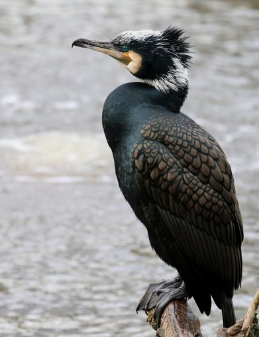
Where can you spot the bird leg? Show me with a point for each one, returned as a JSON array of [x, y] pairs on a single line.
[[159, 295]]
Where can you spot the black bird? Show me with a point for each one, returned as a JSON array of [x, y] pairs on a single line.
[[172, 172]]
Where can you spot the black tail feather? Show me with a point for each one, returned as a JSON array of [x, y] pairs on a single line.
[[228, 312]]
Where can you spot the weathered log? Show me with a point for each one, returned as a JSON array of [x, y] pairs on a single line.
[[178, 320]]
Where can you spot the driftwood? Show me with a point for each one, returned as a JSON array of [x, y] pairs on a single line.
[[178, 320]]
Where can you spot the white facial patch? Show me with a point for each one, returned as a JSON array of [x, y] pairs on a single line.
[[136, 63]]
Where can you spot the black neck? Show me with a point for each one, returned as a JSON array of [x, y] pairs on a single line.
[[173, 100]]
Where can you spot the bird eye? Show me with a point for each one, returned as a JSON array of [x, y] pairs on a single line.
[[124, 49]]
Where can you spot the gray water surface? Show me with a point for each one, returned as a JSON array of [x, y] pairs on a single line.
[[74, 259]]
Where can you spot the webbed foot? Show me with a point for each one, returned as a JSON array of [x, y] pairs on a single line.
[[159, 294]]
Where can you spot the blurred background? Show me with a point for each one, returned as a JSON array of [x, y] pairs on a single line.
[[74, 259]]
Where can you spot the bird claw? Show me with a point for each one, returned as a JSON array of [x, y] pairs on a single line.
[[150, 297], [159, 294]]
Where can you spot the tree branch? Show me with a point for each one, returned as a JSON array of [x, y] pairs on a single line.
[[250, 314], [178, 320]]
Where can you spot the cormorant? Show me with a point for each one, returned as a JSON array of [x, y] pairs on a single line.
[[172, 172]]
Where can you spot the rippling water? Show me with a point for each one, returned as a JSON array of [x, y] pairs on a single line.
[[71, 263]]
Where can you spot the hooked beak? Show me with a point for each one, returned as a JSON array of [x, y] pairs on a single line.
[[104, 47]]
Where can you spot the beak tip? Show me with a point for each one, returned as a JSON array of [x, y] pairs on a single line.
[[78, 43], [74, 44]]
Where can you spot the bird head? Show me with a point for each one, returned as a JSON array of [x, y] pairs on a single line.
[[160, 59]]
